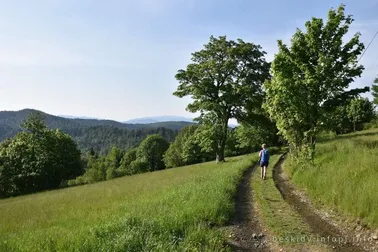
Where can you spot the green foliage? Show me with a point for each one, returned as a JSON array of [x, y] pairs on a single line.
[[97, 171], [232, 144], [208, 134], [115, 164], [373, 124], [250, 138], [147, 157], [139, 166], [311, 75], [223, 79], [175, 156], [152, 150], [360, 110], [114, 157], [350, 116], [37, 159], [193, 152], [34, 124], [130, 156], [337, 120], [111, 173], [103, 138]]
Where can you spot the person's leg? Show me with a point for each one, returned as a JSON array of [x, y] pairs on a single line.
[[265, 168], [262, 171], [264, 175]]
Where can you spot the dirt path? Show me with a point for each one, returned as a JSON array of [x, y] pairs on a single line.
[[246, 233], [319, 226]]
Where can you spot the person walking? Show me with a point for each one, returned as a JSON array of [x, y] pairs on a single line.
[[264, 160]]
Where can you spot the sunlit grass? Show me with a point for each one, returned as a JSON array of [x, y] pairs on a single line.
[[282, 221], [171, 210], [344, 176]]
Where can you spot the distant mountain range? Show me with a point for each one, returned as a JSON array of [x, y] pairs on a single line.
[[142, 120], [156, 119], [79, 117]]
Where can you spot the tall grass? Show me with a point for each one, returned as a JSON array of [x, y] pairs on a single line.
[[170, 210], [344, 176]]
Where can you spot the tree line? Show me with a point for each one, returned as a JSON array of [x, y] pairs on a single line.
[[100, 135], [155, 153]]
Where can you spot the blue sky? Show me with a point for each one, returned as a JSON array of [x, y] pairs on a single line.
[[117, 59]]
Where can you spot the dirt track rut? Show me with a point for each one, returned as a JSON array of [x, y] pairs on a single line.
[[319, 226], [247, 232]]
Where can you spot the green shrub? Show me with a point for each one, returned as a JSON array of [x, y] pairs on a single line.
[[139, 166]]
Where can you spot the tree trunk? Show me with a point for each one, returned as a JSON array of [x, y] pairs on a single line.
[[354, 126], [313, 145], [220, 155], [222, 142]]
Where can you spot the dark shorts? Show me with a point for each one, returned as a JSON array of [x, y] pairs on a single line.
[[262, 164]]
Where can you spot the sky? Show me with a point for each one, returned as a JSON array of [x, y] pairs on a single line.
[[117, 59]]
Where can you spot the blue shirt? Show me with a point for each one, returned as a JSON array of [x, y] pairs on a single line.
[[264, 154]]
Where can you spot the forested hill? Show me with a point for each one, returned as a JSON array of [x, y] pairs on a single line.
[[92, 133]]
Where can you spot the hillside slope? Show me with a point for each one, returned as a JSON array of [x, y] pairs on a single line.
[[344, 176], [169, 210], [92, 133]]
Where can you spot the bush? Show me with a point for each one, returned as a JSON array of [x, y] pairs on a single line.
[[81, 180], [373, 124], [130, 156], [111, 173], [324, 135], [37, 159], [139, 166]]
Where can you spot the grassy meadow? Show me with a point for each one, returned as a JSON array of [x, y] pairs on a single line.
[[344, 176], [171, 210]]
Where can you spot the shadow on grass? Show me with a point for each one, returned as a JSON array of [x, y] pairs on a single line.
[[348, 136], [272, 200]]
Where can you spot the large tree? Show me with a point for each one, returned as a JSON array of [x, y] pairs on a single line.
[[152, 150], [224, 79], [312, 76]]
